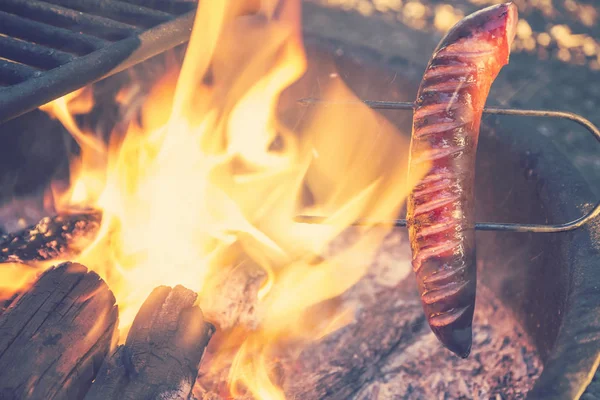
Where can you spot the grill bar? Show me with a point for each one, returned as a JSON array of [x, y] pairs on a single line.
[[485, 226], [117, 10], [171, 6], [48, 35], [11, 72], [32, 54], [77, 42], [77, 21]]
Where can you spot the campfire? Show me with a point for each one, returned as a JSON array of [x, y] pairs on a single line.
[[174, 265]]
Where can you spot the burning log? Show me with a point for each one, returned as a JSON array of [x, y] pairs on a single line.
[[54, 337], [233, 295], [52, 238], [233, 291], [161, 356]]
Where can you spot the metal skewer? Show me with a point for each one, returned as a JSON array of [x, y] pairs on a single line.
[[485, 226]]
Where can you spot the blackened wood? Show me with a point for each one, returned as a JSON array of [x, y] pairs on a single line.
[[162, 353], [54, 337], [52, 238]]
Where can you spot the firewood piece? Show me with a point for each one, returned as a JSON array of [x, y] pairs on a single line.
[[162, 353], [52, 238], [54, 337], [231, 295]]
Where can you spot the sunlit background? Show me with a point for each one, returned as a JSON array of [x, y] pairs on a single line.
[[555, 61], [547, 28]]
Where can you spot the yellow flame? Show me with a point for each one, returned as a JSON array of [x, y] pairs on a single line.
[[211, 174], [15, 277], [88, 170]]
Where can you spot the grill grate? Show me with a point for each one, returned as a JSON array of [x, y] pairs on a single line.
[[52, 47]]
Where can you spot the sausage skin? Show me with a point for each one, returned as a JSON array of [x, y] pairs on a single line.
[[440, 210]]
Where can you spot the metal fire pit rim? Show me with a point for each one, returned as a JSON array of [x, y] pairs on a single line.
[[574, 360]]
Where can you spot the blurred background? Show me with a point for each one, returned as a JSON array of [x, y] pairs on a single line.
[[555, 62]]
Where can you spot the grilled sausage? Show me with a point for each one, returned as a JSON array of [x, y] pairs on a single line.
[[441, 209]]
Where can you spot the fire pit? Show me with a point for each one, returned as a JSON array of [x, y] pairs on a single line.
[[536, 325]]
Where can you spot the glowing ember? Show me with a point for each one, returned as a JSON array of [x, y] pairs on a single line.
[[211, 176]]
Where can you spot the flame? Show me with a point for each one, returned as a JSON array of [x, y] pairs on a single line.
[[211, 174], [15, 277]]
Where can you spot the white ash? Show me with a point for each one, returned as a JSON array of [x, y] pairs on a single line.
[[503, 363]]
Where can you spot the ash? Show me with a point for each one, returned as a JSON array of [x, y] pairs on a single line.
[[503, 363], [389, 352]]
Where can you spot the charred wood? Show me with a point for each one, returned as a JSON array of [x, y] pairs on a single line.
[[231, 295], [162, 353], [54, 337], [53, 238], [232, 291]]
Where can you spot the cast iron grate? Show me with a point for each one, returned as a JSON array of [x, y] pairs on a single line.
[[52, 47]]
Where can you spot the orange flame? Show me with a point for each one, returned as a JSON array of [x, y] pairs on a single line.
[[211, 172], [14, 276]]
